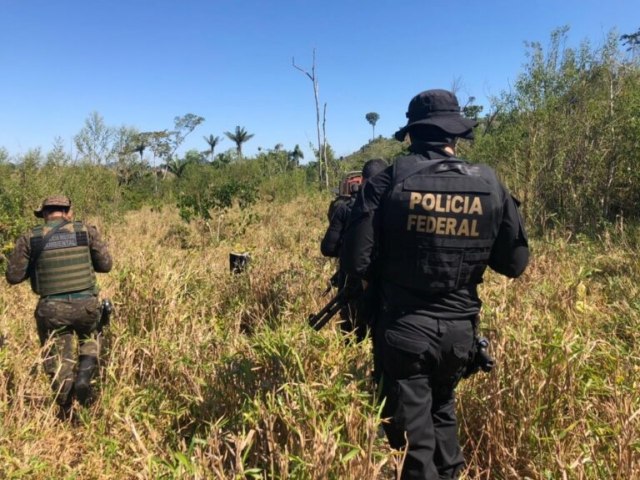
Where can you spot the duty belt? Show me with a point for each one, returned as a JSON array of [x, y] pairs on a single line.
[[70, 296]]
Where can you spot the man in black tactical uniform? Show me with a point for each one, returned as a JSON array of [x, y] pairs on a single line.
[[434, 223], [332, 243]]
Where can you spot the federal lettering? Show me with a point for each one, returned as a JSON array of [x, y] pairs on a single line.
[[431, 224], [474, 228], [422, 223], [451, 226], [463, 231]]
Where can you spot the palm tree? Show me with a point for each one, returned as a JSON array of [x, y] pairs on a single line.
[[140, 148], [372, 118], [176, 166], [295, 155], [239, 137], [137, 142], [212, 141]]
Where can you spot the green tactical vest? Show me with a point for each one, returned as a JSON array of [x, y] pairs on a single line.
[[64, 265]]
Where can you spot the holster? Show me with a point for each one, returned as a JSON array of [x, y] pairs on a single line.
[[105, 314], [480, 359]]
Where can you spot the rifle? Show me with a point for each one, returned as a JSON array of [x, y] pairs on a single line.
[[321, 318], [334, 282]]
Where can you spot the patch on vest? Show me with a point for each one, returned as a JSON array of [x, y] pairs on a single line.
[[62, 240]]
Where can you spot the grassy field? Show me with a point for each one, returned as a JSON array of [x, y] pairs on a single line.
[[213, 375]]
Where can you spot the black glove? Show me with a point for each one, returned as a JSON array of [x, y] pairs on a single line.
[[352, 288]]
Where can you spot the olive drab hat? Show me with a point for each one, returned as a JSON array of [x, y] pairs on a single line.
[[439, 108], [52, 201]]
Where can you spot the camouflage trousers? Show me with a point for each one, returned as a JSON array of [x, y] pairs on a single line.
[[68, 332]]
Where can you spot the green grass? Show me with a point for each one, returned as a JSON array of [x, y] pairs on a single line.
[[213, 375]]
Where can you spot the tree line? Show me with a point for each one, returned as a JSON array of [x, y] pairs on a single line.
[[564, 139]]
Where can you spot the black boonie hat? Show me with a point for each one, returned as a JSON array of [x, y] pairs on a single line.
[[439, 108]]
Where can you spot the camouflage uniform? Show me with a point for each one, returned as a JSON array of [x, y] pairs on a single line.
[[66, 308]]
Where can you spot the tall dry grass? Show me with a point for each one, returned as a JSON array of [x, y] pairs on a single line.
[[213, 375]]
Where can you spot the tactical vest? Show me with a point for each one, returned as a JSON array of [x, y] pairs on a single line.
[[439, 223], [65, 262]]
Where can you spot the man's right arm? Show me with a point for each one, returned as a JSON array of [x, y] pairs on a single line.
[[18, 262]]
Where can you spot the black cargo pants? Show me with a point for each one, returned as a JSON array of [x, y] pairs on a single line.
[[422, 361]]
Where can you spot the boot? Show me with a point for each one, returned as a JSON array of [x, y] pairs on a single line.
[[64, 408], [86, 369], [63, 396]]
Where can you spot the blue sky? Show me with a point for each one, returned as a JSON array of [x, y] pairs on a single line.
[[140, 63]]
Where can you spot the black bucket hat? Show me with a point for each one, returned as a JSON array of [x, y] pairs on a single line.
[[439, 108]]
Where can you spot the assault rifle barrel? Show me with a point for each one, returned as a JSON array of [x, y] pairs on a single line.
[[321, 318]]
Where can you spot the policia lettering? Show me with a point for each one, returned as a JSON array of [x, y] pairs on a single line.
[[444, 203]]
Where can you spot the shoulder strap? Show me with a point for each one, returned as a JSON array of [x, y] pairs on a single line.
[[35, 254]]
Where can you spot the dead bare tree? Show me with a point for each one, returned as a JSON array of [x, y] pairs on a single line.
[[324, 146], [323, 166]]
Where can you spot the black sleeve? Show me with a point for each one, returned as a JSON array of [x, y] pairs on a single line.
[[510, 252], [362, 230], [332, 241]]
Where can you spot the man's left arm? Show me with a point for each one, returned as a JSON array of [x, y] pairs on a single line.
[[510, 251], [100, 256]]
